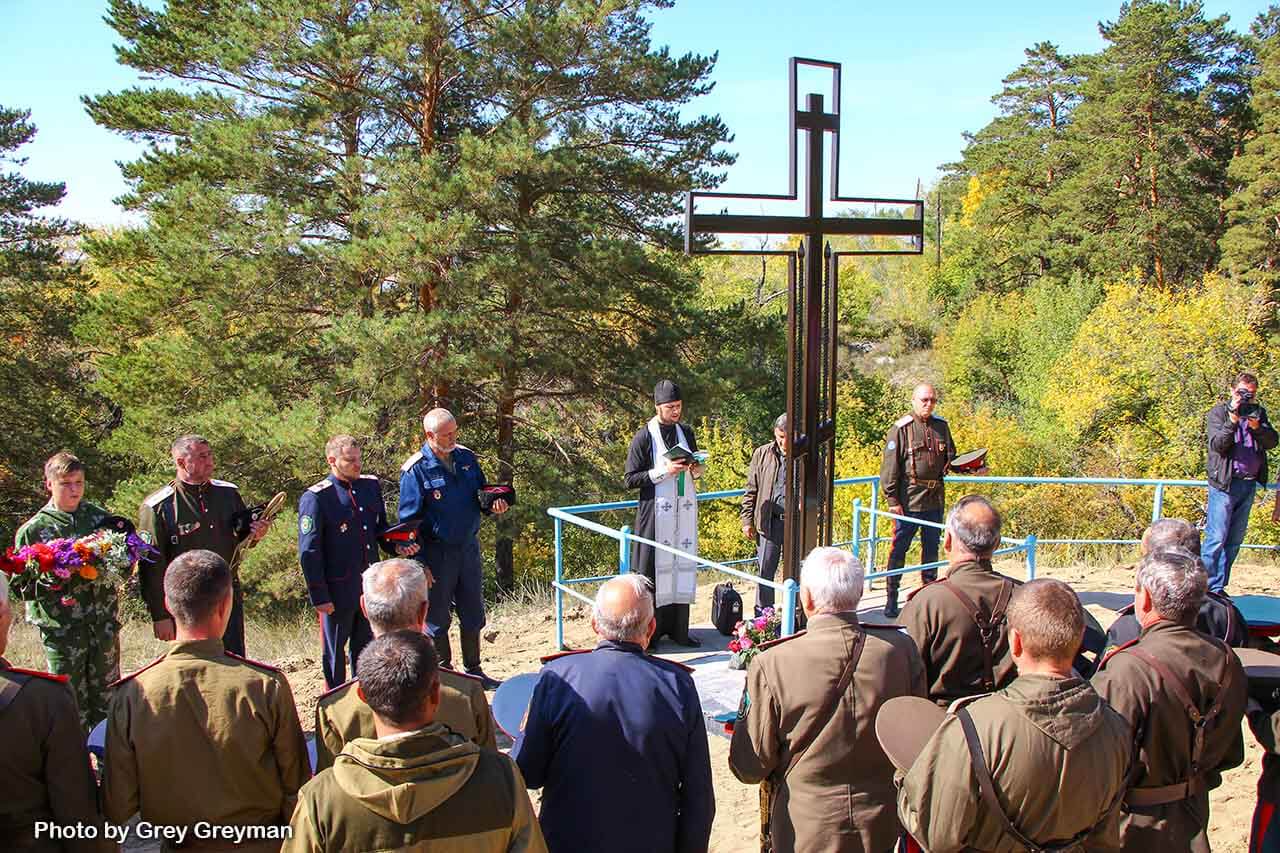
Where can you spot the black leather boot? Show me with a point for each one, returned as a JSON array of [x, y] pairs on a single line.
[[471, 659], [444, 654], [892, 584]]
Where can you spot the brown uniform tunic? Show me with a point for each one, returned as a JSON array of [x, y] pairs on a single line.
[[916, 456], [44, 766], [1208, 672], [342, 716], [839, 796], [1264, 722], [429, 790], [949, 639], [203, 735], [1057, 757]]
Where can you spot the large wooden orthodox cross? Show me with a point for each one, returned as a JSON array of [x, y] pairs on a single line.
[[812, 315]]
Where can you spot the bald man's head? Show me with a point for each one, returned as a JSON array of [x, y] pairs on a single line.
[[923, 399], [623, 611], [973, 528]]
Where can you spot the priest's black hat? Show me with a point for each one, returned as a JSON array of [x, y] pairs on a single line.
[[666, 391]]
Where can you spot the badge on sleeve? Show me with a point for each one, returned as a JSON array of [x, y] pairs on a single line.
[[306, 524], [744, 705]]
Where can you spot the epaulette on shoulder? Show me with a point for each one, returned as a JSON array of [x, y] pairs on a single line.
[[35, 673], [769, 645], [155, 498], [1117, 650], [332, 690], [224, 484], [964, 700], [320, 486], [368, 476], [923, 587], [903, 421], [411, 461], [254, 663], [881, 626], [546, 659], [136, 672]]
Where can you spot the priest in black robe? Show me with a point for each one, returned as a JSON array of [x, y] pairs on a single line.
[[666, 489]]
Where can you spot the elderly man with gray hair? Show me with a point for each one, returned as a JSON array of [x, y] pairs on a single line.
[[617, 741], [1183, 694], [1218, 617], [807, 718], [395, 598], [440, 487], [958, 623]]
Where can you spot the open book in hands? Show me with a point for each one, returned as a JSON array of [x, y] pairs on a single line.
[[678, 454]]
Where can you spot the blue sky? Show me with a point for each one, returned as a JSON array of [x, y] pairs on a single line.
[[916, 76]]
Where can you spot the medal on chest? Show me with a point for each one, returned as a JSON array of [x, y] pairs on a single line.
[[342, 528], [436, 494]]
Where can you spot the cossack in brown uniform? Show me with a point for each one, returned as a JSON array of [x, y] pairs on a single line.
[[916, 456], [807, 725], [44, 766], [1184, 696], [959, 626]]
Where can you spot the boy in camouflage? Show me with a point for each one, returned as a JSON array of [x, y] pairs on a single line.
[[80, 632]]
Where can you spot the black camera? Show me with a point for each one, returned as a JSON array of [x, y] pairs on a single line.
[[1246, 407]]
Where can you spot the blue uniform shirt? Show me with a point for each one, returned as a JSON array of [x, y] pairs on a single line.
[[445, 500], [338, 528], [617, 740]]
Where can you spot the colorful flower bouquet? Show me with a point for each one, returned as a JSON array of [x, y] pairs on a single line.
[[70, 566], [750, 633]]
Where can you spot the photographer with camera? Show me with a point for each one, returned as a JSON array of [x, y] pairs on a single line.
[[1239, 437]]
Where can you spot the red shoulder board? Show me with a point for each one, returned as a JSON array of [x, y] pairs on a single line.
[[917, 590], [47, 676], [1109, 655], [268, 667], [549, 658], [137, 672], [763, 646], [331, 690]]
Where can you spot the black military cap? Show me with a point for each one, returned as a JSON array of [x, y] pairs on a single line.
[[404, 532], [494, 492], [117, 524], [666, 391]]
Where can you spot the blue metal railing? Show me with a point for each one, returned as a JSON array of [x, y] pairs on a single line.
[[789, 588]]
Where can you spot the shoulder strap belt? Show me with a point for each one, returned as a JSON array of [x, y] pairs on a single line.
[[1200, 720], [828, 706], [987, 787], [987, 626]]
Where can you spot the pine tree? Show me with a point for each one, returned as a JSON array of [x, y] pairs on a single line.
[[1149, 140], [47, 406], [1251, 245], [357, 212]]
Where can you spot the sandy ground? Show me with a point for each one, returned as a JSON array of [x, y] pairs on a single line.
[[515, 640]]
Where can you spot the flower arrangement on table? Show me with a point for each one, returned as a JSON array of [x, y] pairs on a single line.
[[61, 569], [749, 634]]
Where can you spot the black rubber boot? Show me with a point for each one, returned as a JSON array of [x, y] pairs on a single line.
[[471, 659], [444, 654]]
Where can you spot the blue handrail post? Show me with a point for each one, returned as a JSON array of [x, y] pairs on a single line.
[[624, 549], [559, 580], [1157, 507], [789, 589], [1031, 557], [856, 533], [871, 533]]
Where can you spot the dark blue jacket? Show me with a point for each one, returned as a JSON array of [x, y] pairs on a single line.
[[445, 501], [617, 740], [337, 540]]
